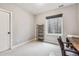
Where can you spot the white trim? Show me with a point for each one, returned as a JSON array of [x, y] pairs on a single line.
[[11, 30], [21, 44]]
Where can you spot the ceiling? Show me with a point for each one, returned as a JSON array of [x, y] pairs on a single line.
[[36, 8]]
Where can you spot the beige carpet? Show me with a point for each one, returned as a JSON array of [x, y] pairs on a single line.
[[34, 48]]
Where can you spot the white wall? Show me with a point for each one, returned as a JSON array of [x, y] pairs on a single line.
[[78, 17], [69, 21], [23, 24]]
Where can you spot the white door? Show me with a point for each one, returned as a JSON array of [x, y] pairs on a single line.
[[4, 29]]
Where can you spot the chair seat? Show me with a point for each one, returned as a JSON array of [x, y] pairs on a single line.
[[69, 48], [70, 52]]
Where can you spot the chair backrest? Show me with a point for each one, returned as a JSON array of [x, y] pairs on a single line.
[[67, 40], [61, 46]]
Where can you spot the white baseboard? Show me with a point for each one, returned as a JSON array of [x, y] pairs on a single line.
[[21, 44]]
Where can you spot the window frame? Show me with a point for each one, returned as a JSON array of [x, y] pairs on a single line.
[[46, 28]]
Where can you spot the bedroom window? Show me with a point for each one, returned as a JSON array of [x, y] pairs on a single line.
[[54, 24]]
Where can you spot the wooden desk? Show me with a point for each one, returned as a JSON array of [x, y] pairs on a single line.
[[75, 43]]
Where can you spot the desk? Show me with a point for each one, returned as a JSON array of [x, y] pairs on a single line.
[[75, 43]]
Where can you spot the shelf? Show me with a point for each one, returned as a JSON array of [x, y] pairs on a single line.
[[40, 32]]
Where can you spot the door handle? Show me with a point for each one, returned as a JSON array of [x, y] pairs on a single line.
[[9, 33]]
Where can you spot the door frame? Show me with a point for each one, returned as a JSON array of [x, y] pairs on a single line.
[[10, 26]]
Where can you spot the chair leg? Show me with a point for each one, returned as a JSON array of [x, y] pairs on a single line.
[[63, 53]]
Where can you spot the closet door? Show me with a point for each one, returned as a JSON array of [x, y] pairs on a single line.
[[4, 29]]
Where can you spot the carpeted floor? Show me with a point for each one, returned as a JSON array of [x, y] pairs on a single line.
[[34, 48]]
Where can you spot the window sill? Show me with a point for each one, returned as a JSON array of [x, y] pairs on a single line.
[[55, 34]]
